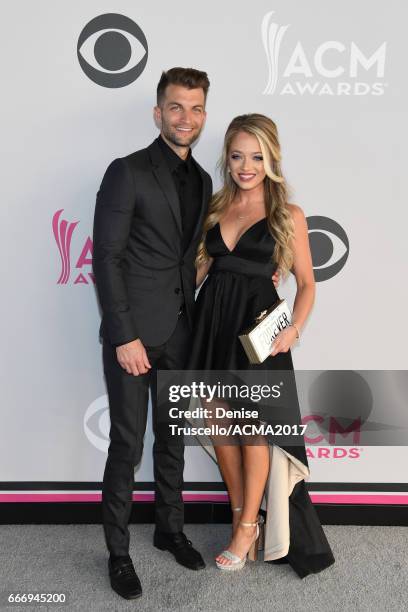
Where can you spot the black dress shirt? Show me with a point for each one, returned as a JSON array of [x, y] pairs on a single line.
[[187, 181]]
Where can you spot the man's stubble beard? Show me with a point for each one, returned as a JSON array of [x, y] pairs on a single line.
[[172, 137]]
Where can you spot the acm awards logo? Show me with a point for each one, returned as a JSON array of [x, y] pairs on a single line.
[[112, 50], [63, 232], [349, 407], [330, 68], [340, 405]]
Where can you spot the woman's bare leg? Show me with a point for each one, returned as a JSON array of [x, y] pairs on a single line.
[[229, 459], [255, 473]]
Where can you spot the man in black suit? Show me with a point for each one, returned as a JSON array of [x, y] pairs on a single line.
[[148, 223]]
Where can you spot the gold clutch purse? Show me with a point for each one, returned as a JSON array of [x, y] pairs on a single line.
[[258, 339]]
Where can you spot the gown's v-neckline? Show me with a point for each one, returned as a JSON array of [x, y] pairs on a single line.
[[241, 236]]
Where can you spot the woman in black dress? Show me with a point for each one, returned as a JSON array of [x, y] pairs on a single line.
[[250, 232]]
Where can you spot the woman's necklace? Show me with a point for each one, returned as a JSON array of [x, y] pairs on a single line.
[[248, 208]]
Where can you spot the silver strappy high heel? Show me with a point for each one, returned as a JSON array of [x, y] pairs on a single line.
[[236, 562]]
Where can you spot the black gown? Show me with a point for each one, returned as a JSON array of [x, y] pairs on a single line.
[[238, 287]]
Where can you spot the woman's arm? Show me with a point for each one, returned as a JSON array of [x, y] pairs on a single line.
[[302, 268], [305, 282], [202, 271]]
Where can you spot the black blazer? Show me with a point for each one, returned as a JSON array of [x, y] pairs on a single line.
[[140, 270]]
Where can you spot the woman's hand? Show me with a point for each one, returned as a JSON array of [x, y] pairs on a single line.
[[202, 271], [275, 277], [284, 340]]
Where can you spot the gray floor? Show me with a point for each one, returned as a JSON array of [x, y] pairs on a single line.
[[370, 573]]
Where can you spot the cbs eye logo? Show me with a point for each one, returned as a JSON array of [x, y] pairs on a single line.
[[329, 245], [342, 394], [97, 423], [112, 50]]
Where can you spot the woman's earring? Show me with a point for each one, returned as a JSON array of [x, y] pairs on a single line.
[[229, 171]]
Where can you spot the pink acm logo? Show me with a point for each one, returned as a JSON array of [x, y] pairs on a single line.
[[82, 273], [333, 428]]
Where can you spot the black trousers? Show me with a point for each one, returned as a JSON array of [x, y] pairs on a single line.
[[128, 403]]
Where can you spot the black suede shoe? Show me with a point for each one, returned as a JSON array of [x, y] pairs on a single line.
[[180, 547], [123, 577]]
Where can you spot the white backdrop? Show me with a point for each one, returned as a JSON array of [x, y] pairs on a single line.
[[333, 78]]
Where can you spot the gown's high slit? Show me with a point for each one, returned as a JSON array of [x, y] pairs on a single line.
[[239, 286]]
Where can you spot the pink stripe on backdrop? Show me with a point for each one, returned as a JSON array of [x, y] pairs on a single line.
[[359, 498], [96, 497], [317, 498]]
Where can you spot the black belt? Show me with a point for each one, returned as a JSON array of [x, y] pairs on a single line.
[[239, 265]]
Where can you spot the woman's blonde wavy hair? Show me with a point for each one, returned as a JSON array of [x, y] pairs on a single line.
[[280, 221]]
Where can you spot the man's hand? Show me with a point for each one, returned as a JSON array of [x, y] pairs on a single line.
[[275, 277], [133, 357]]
